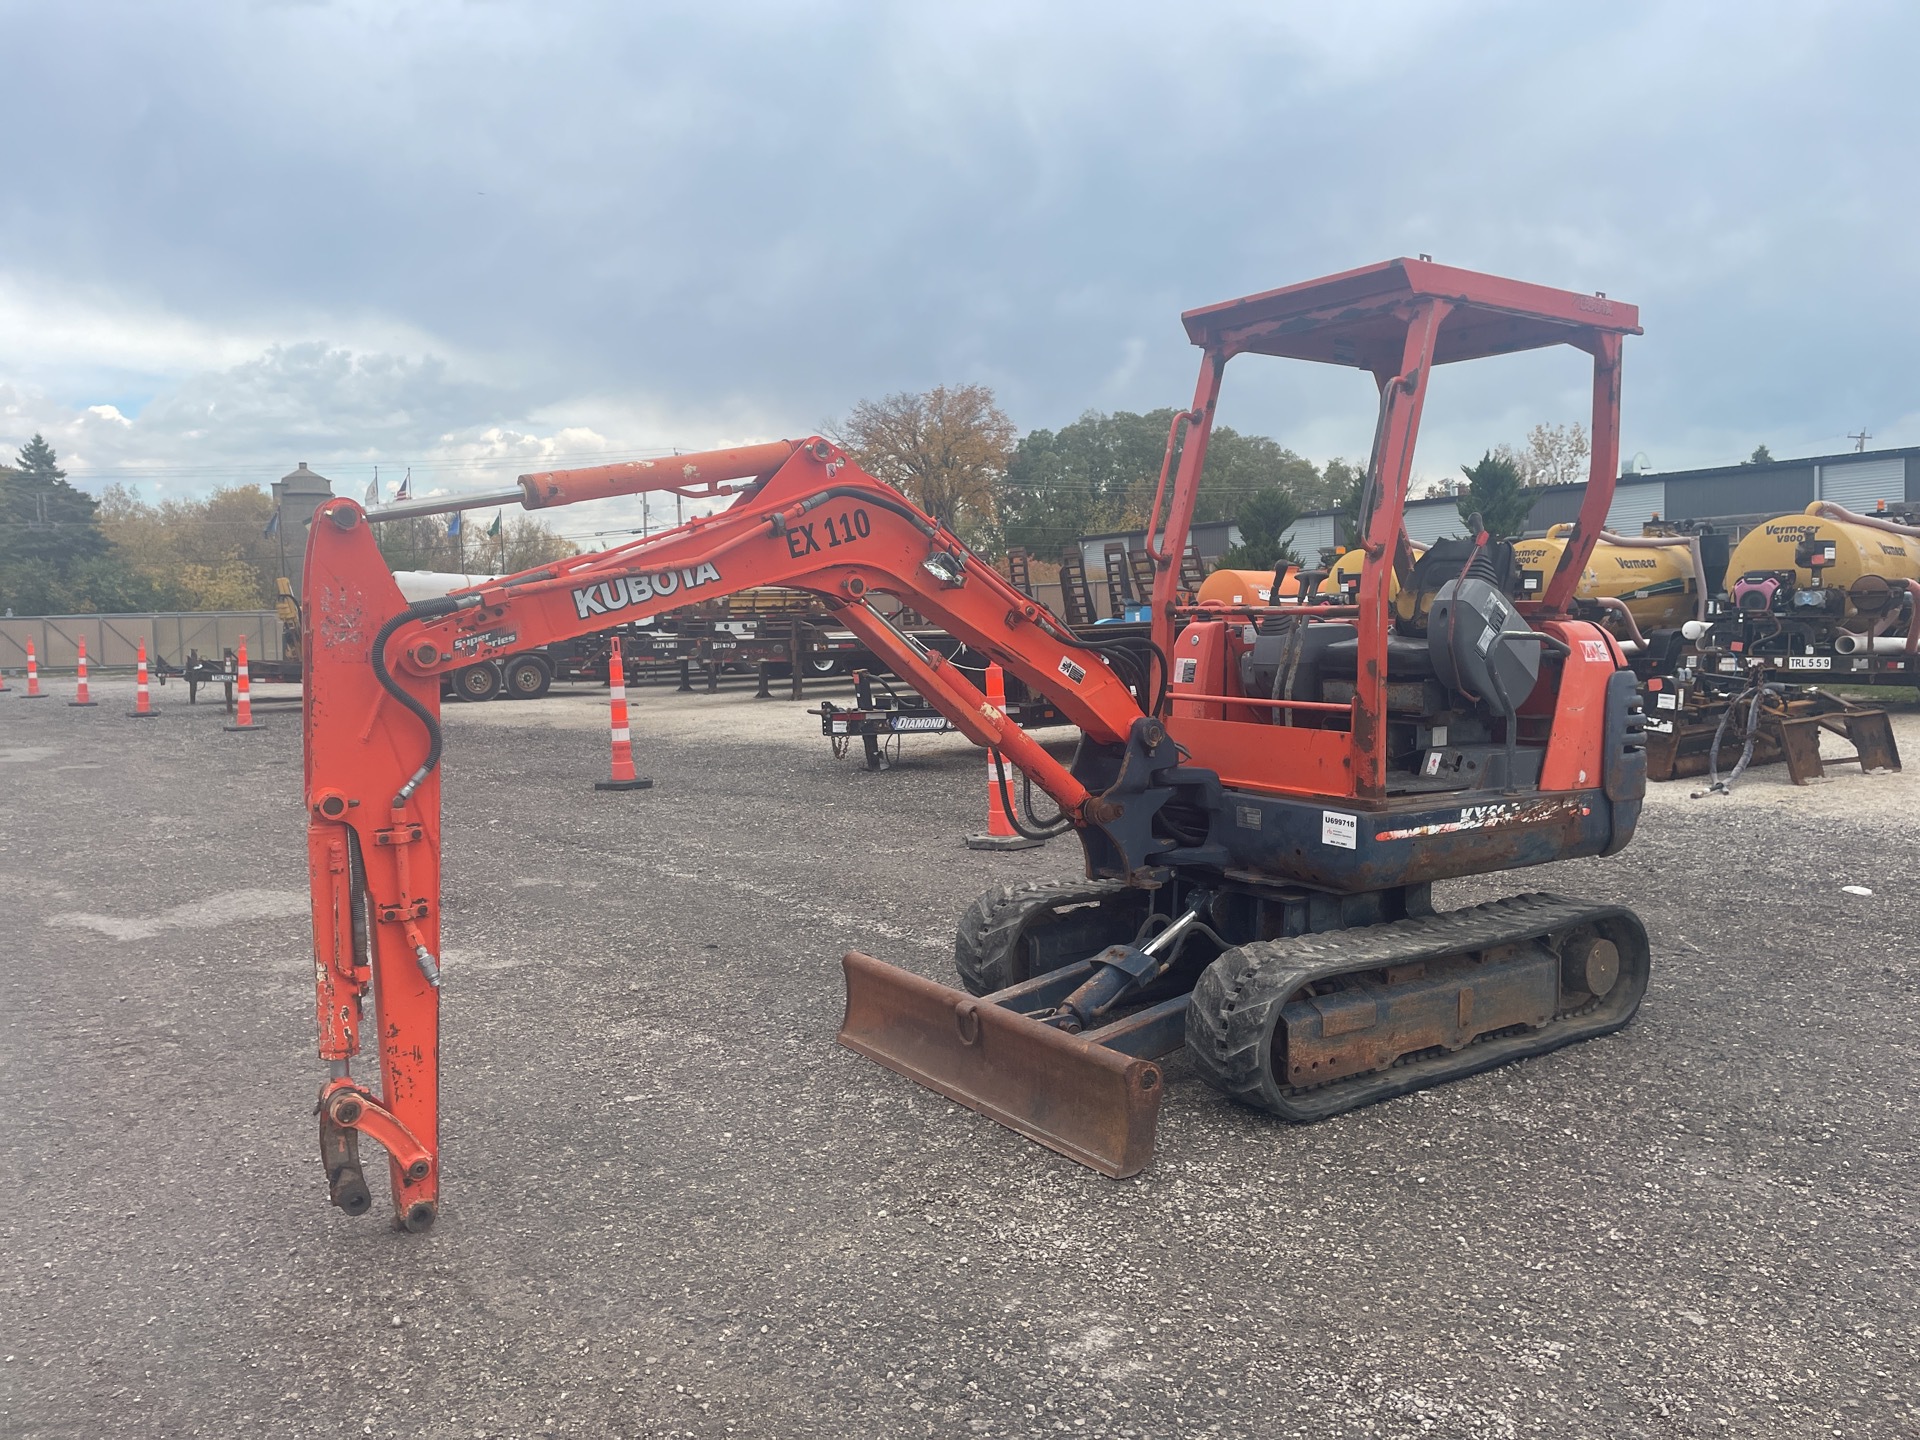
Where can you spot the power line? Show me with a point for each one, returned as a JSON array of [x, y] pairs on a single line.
[[251, 470]]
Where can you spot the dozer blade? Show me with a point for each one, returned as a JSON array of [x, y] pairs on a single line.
[[1071, 1093]]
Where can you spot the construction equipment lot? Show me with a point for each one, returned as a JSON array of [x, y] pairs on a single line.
[[680, 1209]]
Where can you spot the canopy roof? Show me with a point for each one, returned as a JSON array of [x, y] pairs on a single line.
[[1360, 317]]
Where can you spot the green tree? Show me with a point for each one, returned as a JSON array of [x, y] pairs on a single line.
[[1761, 456], [1264, 520], [205, 554], [1099, 474], [523, 544], [1346, 487], [1496, 494], [49, 535]]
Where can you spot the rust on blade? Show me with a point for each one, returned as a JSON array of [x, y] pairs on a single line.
[[1070, 1093]]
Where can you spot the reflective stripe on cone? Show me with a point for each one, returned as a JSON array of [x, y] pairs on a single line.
[[624, 777], [142, 702], [242, 692]]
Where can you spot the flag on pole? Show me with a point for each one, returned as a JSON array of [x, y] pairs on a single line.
[[453, 525], [273, 527], [373, 489], [406, 483], [494, 529]]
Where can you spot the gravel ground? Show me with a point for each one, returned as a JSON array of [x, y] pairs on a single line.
[[675, 1208]]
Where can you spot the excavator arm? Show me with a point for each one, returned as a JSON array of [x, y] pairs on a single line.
[[803, 515]]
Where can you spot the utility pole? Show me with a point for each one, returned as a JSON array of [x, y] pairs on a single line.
[[1860, 440]]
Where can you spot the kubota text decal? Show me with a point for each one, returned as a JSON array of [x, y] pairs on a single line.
[[627, 590]]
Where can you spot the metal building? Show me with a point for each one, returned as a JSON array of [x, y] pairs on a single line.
[[1857, 480]]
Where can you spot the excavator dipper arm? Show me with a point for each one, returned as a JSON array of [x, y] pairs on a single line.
[[803, 516]]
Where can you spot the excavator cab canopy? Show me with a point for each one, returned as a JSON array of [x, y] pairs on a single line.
[[1359, 318]]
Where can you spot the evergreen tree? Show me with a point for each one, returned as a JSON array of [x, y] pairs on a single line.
[[1263, 520], [50, 537], [1497, 494], [1347, 487]]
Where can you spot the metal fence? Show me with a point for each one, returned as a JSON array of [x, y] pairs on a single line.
[[112, 640]]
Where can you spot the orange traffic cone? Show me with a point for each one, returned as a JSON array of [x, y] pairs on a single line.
[[33, 675], [243, 694], [142, 703], [624, 777], [80, 695], [1000, 832]]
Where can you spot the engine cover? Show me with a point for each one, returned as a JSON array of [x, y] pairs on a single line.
[[1470, 634]]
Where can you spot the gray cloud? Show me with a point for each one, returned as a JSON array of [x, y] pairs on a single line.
[[648, 226]]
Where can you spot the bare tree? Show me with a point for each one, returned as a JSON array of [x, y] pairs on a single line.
[[946, 450], [1555, 455]]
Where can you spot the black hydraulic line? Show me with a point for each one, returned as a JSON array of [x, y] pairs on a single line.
[[1013, 816], [419, 610], [1059, 819], [1125, 647], [1717, 786]]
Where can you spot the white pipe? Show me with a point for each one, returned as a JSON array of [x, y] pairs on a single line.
[[1849, 642]]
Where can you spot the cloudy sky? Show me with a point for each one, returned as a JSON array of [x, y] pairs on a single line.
[[469, 237]]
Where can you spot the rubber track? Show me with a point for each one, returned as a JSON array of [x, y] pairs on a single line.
[[992, 926], [1236, 1004]]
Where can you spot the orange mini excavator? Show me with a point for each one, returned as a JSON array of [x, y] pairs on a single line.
[[1265, 793]]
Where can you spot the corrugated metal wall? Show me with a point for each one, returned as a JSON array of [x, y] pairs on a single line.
[[1634, 505], [1309, 536], [1555, 506], [1760, 492], [1429, 520], [113, 640], [1862, 484]]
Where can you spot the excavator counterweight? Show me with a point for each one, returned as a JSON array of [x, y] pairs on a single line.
[[1264, 793]]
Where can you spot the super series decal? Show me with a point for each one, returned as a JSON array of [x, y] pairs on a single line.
[[1491, 817], [611, 595]]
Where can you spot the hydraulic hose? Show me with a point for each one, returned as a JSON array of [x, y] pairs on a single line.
[[1124, 647], [1615, 606], [1717, 786], [419, 610], [1047, 832]]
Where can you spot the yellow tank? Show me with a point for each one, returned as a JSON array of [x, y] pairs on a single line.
[[1823, 554], [1343, 576], [1657, 585]]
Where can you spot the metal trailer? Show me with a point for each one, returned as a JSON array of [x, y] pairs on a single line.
[[878, 721]]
